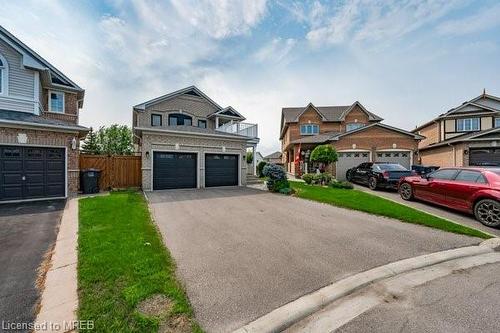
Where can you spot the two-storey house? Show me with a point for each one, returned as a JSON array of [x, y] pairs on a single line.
[[467, 135], [39, 131], [189, 141], [357, 134]]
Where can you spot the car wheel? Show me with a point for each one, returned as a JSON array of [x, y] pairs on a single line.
[[487, 212], [372, 183], [348, 176], [406, 191]]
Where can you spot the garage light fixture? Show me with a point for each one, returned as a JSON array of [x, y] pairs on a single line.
[[147, 155], [73, 143]]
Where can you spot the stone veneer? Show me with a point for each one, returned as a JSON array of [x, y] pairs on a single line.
[[50, 139], [189, 143]]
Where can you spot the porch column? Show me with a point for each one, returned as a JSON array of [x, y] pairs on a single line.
[[216, 122], [253, 160]]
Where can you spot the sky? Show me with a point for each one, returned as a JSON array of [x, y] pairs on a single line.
[[405, 60]]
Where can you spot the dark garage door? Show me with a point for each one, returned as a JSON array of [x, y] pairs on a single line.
[[174, 170], [221, 170], [31, 172], [484, 157]]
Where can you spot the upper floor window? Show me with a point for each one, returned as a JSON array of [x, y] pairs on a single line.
[[177, 119], [497, 122], [56, 101], [202, 123], [468, 124], [353, 126], [309, 129], [3, 75], [156, 120]]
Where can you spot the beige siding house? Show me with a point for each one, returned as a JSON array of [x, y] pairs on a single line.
[[189, 141], [467, 135], [39, 131]]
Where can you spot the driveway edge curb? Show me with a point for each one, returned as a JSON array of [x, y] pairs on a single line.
[[289, 314], [59, 299]]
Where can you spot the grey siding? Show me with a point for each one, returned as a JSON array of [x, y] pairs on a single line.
[[21, 80]]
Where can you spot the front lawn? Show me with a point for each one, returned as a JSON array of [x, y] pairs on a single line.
[[122, 263], [358, 200]]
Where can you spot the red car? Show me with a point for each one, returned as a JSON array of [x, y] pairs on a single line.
[[471, 190]]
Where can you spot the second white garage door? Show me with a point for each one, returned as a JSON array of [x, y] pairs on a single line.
[[401, 157], [349, 160]]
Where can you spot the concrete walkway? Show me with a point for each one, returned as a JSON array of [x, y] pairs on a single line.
[[59, 297], [242, 253], [452, 215]]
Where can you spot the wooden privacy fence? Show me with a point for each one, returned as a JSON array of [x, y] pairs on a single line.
[[116, 171]]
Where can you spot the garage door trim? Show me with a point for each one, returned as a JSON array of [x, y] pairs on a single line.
[[238, 157], [151, 159], [395, 150], [22, 145]]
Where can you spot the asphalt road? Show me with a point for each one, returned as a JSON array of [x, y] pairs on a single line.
[[444, 212], [27, 232], [242, 252], [467, 301]]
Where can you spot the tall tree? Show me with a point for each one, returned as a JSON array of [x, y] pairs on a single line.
[[90, 145], [115, 140], [324, 154]]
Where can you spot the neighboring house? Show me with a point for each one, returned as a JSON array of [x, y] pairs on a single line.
[[250, 167], [39, 131], [258, 158], [467, 135], [274, 158], [189, 141], [357, 134]]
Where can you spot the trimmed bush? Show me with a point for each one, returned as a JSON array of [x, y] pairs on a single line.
[[308, 178], [277, 180], [260, 168], [341, 184], [322, 178], [287, 191]]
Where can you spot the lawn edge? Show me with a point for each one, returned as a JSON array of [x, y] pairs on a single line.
[[481, 234]]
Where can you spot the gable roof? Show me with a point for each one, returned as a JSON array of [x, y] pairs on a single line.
[[33, 60], [26, 119], [188, 90], [229, 112], [390, 128], [276, 154]]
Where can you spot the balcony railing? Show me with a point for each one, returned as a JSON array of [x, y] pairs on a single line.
[[245, 129]]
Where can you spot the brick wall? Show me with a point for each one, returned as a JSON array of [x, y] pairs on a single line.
[[356, 115], [431, 133], [70, 114], [48, 138]]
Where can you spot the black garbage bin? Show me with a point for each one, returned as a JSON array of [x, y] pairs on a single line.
[[89, 180]]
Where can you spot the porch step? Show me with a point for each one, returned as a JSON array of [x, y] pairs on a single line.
[[251, 179]]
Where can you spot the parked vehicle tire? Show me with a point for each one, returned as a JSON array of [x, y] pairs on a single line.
[[487, 212], [406, 191], [348, 176], [372, 183]]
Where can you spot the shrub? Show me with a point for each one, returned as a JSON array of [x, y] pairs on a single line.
[[287, 191], [260, 168], [322, 178], [308, 178], [341, 184], [324, 154], [276, 177]]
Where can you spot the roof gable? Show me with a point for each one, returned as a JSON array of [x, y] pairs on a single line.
[[191, 90], [371, 116], [387, 127], [483, 103], [310, 105], [228, 112]]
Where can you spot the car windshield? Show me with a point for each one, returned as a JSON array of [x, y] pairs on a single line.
[[392, 167]]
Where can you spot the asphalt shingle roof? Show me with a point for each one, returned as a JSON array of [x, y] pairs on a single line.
[[24, 117]]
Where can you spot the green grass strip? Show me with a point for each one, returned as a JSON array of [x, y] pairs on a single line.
[[122, 261], [358, 200]]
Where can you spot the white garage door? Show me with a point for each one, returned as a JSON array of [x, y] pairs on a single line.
[[401, 157], [349, 160]]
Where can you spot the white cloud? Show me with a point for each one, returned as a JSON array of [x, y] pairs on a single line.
[[276, 51], [375, 20], [487, 18], [221, 18]]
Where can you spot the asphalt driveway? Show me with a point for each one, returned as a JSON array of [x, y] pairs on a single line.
[[242, 252], [27, 231]]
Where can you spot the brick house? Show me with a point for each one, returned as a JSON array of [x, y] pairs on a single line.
[[466, 135], [357, 134], [189, 141], [39, 131]]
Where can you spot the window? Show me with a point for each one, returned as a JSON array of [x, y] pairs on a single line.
[[3, 75], [445, 174], [497, 122], [353, 126], [309, 129], [56, 101], [202, 123], [470, 176], [155, 120], [177, 119], [469, 124]]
